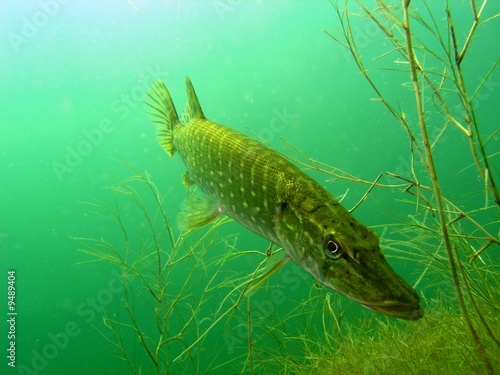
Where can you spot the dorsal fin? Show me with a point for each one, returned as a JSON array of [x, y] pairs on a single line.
[[193, 109]]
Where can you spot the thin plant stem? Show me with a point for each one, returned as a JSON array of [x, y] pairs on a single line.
[[437, 189]]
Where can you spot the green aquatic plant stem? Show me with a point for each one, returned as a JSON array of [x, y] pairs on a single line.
[[437, 189], [477, 16], [473, 133]]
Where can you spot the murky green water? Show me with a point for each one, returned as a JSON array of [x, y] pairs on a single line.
[[73, 82]]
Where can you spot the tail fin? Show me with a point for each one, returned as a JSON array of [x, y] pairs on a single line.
[[163, 113], [193, 109]]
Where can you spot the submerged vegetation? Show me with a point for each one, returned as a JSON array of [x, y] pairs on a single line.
[[183, 306], [158, 306]]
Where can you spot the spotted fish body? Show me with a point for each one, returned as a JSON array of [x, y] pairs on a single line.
[[264, 192]]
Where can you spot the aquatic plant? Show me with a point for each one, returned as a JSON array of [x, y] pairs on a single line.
[[159, 304]]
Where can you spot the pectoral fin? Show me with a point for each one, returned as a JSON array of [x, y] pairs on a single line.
[[197, 211], [274, 263]]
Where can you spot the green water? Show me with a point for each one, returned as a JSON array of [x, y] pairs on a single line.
[[73, 83]]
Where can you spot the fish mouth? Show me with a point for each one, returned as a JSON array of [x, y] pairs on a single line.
[[397, 309]]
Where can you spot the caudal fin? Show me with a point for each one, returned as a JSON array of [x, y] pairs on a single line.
[[163, 114]]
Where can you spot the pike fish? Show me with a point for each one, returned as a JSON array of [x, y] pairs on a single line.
[[267, 194]]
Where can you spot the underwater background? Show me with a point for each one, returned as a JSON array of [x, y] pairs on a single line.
[[74, 75]]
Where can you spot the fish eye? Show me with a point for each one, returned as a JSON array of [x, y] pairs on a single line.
[[332, 247]]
